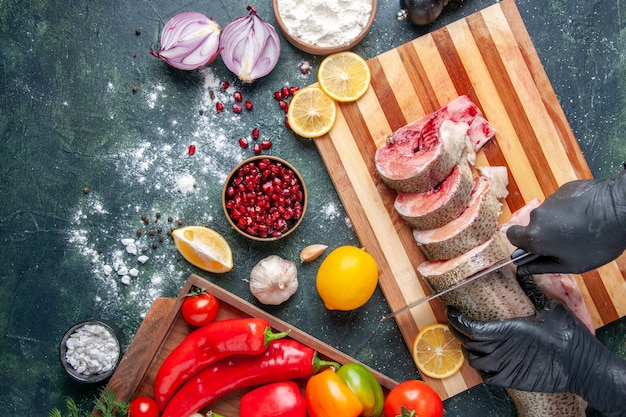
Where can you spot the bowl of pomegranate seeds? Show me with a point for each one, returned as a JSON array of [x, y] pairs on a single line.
[[264, 198]]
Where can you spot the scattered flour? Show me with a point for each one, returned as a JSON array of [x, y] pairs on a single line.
[[155, 174]]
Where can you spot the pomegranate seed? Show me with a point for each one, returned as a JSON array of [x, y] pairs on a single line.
[[283, 106], [257, 149], [287, 123], [285, 92], [278, 96], [293, 89], [225, 85], [219, 107], [237, 108], [243, 143], [191, 150], [266, 144], [238, 96], [255, 133], [248, 105]]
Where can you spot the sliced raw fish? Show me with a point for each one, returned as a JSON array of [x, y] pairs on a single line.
[[410, 161], [474, 226], [439, 205], [495, 297], [443, 273]]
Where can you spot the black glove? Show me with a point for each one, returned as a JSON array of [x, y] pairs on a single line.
[[551, 351], [578, 228]]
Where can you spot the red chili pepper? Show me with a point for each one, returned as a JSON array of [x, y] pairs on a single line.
[[207, 345], [283, 360], [280, 399]]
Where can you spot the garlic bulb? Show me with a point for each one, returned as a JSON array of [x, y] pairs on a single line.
[[273, 280]]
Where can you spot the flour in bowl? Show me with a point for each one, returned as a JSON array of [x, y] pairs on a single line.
[[325, 23]]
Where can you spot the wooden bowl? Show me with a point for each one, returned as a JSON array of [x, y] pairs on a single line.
[[242, 225], [320, 50]]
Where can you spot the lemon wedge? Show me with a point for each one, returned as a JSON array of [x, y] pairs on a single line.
[[204, 248]]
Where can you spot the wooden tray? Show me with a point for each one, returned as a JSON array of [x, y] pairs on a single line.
[[164, 328], [489, 57]]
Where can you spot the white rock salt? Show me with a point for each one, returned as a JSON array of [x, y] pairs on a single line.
[[92, 349], [131, 248]]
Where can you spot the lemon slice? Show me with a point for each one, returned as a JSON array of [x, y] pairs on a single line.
[[344, 76], [436, 352], [311, 112], [204, 248]]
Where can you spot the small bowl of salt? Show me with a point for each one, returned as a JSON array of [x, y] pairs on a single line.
[[90, 350], [324, 27]]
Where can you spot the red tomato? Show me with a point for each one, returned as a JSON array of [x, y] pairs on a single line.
[[143, 407], [199, 309], [416, 396]]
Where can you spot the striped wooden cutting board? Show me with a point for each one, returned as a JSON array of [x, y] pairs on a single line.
[[489, 57]]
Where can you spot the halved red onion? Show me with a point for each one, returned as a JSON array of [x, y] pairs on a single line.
[[189, 41], [250, 46]]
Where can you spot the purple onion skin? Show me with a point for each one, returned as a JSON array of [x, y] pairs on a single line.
[[189, 41], [250, 47]]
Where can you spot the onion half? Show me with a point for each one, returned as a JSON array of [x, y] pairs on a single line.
[[189, 41], [250, 47]]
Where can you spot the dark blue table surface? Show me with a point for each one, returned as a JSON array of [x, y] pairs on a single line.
[[69, 120]]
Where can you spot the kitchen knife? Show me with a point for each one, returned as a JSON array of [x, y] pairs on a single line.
[[518, 257]]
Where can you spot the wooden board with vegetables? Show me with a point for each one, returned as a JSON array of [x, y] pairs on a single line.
[[490, 58], [164, 328]]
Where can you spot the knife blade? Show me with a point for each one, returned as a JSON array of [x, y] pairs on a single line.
[[518, 257]]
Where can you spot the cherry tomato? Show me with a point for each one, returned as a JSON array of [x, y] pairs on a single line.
[[143, 407], [199, 308], [413, 395]]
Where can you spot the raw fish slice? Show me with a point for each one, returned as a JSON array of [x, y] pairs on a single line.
[[444, 273], [439, 205], [476, 225], [408, 164]]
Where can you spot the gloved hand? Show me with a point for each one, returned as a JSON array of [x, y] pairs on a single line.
[[578, 228], [552, 351]]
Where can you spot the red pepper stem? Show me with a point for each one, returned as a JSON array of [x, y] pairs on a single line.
[[319, 364], [270, 335], [213, 414]]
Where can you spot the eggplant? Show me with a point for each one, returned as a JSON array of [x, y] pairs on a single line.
[[421, 12]]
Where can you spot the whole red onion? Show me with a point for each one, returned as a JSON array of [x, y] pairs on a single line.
[[250, 46], [189, 41]]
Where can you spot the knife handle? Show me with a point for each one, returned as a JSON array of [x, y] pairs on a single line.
[[521, 257]]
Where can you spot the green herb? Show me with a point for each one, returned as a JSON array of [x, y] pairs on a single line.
[[107, 405]]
